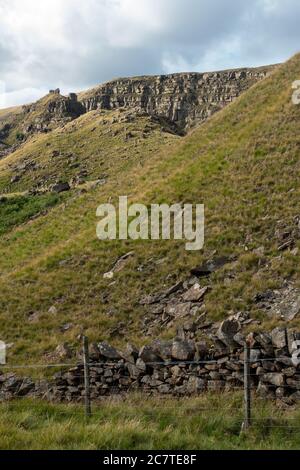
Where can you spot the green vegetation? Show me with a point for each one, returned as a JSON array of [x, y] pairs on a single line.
[[243, 164], [96, 144], [203, 423], [20, 136], [16, 210]]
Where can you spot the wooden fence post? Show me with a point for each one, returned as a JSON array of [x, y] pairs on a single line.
[[86, 363]]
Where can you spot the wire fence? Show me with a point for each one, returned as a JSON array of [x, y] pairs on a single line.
[[85, 402]]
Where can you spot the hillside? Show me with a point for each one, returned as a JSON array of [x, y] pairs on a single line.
[[243, 164], [183, 100]]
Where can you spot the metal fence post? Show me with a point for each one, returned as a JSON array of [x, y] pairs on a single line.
[[86, 362], [247, 388]]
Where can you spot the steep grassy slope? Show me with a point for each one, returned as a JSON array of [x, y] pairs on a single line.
[[9, 113], [96, 145], [7, 118], [243, 165]]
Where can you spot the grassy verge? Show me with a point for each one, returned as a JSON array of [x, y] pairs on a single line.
[[209, 422]]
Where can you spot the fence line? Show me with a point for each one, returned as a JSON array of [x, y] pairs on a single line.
[[154, 363], [244, 371]]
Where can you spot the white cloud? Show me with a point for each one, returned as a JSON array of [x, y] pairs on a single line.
[[75, 44], [23, 96]]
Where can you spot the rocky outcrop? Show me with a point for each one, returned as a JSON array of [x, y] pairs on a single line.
[[186, 99], [177, 101], [50, 112]]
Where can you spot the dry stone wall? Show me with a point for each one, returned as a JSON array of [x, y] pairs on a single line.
[[179, 368]]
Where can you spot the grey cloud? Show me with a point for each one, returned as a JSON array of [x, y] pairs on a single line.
[[96, 40]]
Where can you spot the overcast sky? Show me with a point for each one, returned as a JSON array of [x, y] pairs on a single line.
[[75, 44]]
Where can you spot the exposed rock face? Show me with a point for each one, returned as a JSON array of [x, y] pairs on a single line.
[[185, 99], [52, 113], [177, 101]]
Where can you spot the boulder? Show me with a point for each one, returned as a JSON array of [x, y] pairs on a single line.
[[175, 288], [26, 387], [278, 336], [163, 349], [201, 350], [255, 355], [227, 330], [108, 352], [292, 345], [61, 187], [264, 341], [195, 385], [148, 355], [140, 364], [164, 389], [211, 266], [178, 310], [130, 354], [63, 351], [195, 293], [176, 371], [183, 350], [294, 382], [273, 378], [121, 262], [239, 338]]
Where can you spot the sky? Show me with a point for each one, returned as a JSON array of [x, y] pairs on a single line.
[[76, 44]]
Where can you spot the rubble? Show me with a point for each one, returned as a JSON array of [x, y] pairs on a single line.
[[283, 303]]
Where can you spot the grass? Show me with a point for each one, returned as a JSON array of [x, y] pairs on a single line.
[[96, 143], [17, 210], [243, 164], [205, 423]]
